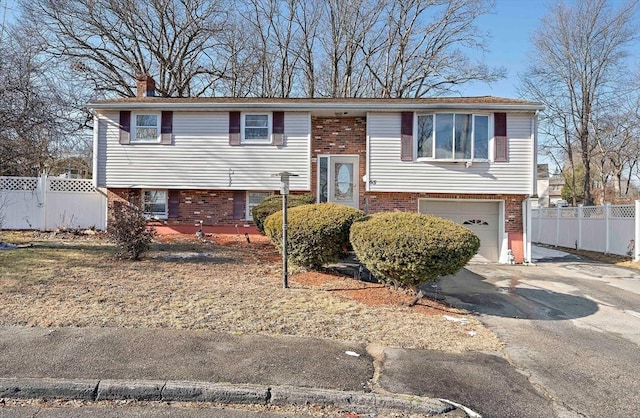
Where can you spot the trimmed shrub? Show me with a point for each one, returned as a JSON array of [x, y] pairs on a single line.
[[273, 203], [317, 234], [128, 229], [407, 249]]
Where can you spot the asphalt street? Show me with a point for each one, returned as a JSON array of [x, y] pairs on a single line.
[[571, 328]]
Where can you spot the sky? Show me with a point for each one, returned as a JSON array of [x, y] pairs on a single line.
[[510, 27]]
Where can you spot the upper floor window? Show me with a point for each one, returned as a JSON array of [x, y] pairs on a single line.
[[147, 128], [256, 128], [452, 136]]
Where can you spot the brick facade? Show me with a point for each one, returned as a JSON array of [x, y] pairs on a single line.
[[339, 136], [212, 207]]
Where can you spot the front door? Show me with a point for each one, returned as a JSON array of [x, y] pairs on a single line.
[[338, 180]]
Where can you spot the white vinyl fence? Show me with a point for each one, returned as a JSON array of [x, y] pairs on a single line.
[[48, 203], [612, 229]]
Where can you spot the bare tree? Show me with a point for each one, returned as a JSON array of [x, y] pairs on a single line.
[[617, 154], [419, 49], [112, 41], [578, 54]]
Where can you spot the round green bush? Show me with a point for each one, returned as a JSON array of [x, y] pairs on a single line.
[[272, 204], [407, 249], [317, 234]]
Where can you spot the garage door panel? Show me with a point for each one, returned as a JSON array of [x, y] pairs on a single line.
[[479, 217]]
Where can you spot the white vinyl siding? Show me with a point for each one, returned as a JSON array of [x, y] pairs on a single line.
[[201, 156], [387, 173]]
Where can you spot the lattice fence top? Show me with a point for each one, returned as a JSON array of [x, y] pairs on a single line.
[[569, 212], [549, 213], [593, 212], [623, 211], [18, 183], [70, 185]]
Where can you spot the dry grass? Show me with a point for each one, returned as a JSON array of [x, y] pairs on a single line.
[[226, 285]]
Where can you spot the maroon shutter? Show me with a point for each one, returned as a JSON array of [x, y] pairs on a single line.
[[174, 203], [278, 128], [238, 204], [234, 128], [406, 136], [125, 127], [501, 142], [166, 128]]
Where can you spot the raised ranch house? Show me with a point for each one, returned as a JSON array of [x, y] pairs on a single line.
[[186, 160]]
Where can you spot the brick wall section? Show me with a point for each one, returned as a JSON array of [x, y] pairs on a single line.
[[338, 136], [408, 202], [212, 207]]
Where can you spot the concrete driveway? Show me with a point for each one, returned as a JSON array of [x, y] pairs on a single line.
[[572, 331]]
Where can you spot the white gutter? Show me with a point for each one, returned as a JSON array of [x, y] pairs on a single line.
[[309, 106]]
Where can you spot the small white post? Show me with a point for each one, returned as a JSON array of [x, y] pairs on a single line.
[[541, 214], [636, 246], [526, 206], [43, 190], [580, 218], [607, 234], [557, 225]]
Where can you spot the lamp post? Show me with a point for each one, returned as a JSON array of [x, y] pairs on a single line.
[[284, 191]]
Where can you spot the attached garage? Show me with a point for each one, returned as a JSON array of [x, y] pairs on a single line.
[[482, 217]]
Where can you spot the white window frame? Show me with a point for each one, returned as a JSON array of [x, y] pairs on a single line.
[[134, 126], [249, 205], [157, 214], [473, 140], [265, 141]]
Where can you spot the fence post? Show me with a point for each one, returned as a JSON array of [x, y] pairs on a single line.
[[636, 246], [557, 225], [580, 217], [43, 194], [607, 234]]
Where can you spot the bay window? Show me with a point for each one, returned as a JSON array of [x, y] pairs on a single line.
[[452, 136]]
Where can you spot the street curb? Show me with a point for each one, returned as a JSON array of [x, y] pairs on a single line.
[[181, 391]]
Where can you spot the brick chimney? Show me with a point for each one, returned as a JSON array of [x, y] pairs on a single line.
[[145, 86]]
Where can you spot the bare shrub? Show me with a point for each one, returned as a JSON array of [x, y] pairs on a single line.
[[128, 229]]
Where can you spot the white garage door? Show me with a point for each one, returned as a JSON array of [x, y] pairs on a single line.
[[480, 217]]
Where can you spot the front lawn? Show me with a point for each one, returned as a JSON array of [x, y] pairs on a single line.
[[223, 284]]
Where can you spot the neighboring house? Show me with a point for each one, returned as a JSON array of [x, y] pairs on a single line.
[[556, 183], [188, 160], [543, 186]]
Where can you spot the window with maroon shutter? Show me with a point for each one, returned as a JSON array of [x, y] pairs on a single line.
[[238, 204], [125, 127], [501, 142], [174, 204], [166, 128], [234, 128], [278, 129], [406, 136]]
